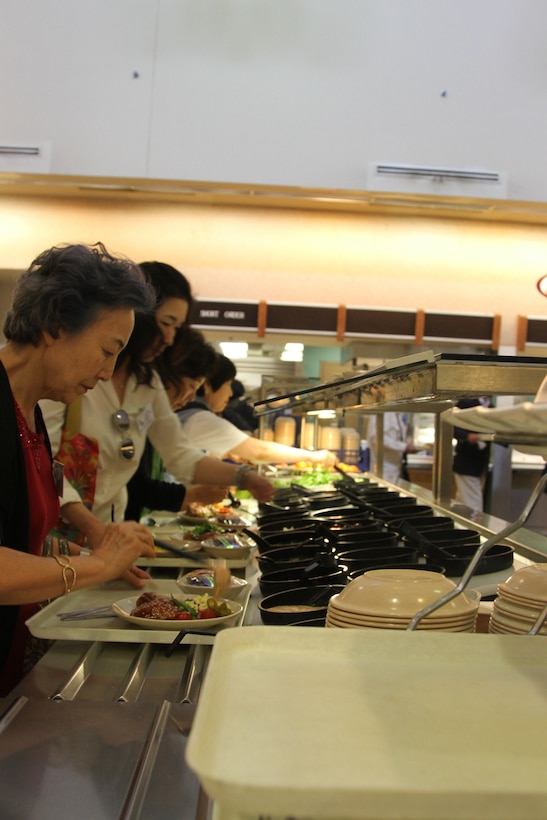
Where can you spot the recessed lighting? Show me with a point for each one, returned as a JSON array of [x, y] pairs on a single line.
[[234, 350]]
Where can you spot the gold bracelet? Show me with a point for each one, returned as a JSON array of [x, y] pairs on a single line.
[[66, 565]]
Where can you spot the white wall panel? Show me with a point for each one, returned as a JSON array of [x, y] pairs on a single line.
[[67, 77]]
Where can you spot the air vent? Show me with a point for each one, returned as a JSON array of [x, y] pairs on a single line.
[[34, 157], [423, 179], [20, 150]]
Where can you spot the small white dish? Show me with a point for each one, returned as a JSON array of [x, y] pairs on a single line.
[[202, 580]]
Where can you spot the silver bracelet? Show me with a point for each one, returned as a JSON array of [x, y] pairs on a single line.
[[241, 472]]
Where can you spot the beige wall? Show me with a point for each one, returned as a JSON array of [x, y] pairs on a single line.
[[302, 256]]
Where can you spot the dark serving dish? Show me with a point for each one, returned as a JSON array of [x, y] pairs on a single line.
[[317, 596], [368, 559], [287, 558], [284, 579]]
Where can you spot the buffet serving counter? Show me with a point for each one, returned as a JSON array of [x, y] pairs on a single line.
[[100, 727], [423, 382], [104, 724]]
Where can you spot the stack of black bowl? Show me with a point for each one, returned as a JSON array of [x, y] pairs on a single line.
[[316, 541]]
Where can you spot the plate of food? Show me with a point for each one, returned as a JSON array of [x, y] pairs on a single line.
[[179, 540], [152, 610], [197, 513], [200, 580]]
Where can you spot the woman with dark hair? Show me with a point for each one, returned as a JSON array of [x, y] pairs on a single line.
[[71, 315], [183, 368], [174, 297], [203, 424]]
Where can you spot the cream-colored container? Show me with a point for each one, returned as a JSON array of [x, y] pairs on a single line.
[[330, 438], [351, 445], [307, 435], [267, 434], [285, 430]]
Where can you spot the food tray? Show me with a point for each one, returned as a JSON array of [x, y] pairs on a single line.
[[373, 724], [47, 624]]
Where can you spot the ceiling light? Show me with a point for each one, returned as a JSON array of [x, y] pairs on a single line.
[[234, 350], [293, 352]]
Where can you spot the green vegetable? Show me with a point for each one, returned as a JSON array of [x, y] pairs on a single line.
[[184, 606], [201, 529]]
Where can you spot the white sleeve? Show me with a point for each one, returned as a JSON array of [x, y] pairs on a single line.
[[171, 442], [213, 434]]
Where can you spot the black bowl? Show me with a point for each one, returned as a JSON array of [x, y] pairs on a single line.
[[366, 540], [291, 538], [343, 526], [295, 597], [444, 538], [433, 522], [285, 579], [326, 501], [287, 558], [456, 559], [367, 559], [288, 525], [282, 517]]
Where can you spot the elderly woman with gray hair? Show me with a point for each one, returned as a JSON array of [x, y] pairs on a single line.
[[72, 313]]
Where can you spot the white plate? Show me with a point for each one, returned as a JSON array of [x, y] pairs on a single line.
[[181, 540], [184, 582], [232, 522], [184, 518], [124, 608], [527, 420]]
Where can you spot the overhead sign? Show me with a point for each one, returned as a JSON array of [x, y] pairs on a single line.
[[242, 315]]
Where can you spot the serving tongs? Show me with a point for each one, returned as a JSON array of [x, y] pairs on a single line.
[[482, 549]]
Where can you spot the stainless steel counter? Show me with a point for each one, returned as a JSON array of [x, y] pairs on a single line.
[[99, 729]]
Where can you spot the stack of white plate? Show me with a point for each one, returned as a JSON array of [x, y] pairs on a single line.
[[389, 599], [520, 600]]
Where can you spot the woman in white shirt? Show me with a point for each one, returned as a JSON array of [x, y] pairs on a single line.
[[205, 428]]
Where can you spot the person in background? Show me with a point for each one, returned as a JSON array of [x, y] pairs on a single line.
[[183, 368], [470, 465], [396, 445], [238, 411], [71, 315], [203, 424]]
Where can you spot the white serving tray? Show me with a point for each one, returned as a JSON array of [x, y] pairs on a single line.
[[373, 724], [47, 624], [525, 424]]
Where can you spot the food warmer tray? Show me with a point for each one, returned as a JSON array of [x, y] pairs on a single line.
[[46, 623], [373, 724]]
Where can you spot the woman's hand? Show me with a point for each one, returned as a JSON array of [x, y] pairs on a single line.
[[204, 494], [258, 486], [326, 457], [120, 547]]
